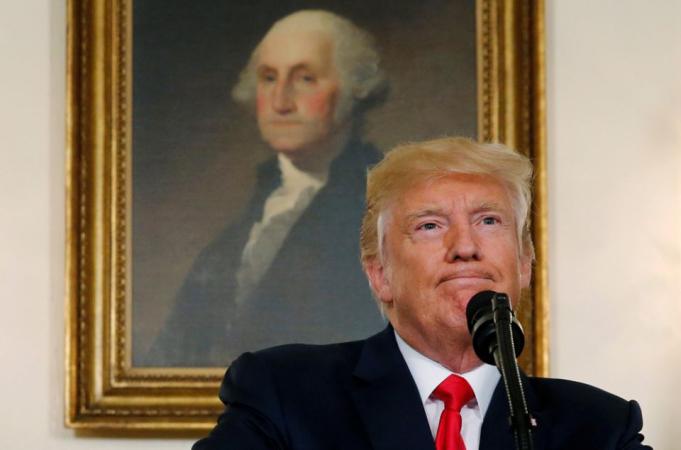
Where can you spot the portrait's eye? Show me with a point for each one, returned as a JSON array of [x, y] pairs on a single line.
[[267, 77], [490, 220], [305, 78]]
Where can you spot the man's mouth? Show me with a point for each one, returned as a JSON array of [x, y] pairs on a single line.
[[284, 123], [470, 276]]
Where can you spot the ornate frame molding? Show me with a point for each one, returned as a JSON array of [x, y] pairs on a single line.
[[103, 390]]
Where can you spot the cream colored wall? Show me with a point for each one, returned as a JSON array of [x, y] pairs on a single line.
[[32, 50], [615, 194]]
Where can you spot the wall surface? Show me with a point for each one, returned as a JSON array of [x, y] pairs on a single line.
[[614, 127], [614, 107], [32, 91]]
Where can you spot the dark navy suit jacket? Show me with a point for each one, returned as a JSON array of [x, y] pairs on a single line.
[[314, 289], [360, 395]]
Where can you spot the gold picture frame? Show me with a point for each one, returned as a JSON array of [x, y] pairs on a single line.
[[104, 391]]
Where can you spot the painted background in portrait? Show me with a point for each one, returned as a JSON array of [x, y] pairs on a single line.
[[195, 151]]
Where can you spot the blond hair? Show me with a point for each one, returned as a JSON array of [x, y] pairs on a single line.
[[410, 164]]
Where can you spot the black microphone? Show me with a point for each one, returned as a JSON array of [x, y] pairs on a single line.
[[498, 339], [481, 324]]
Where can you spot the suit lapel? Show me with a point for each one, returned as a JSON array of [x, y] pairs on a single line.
[[387, 399], [496, 431]]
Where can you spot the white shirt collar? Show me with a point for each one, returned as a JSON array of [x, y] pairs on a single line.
[[428, 374], [295, 180]]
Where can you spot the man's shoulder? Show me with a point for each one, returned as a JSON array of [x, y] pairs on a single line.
[[577, 398], [300, 354], [357, 156], [571, 390], [584, 416], [303, 360]]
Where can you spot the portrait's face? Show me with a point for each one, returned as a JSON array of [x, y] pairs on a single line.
[[445, 240], [297, 90]]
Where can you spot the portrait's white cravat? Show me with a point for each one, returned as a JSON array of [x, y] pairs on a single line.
[[282, 210]]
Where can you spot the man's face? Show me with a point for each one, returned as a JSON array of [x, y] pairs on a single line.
[[445, 240], [297, 90]]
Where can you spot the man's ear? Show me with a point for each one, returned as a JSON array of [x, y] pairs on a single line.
[[526, 259], [379, 282]]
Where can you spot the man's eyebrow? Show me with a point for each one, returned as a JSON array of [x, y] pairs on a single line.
[[425, 212], [492, 207], [488, 206], [437, 211], [265, 67]]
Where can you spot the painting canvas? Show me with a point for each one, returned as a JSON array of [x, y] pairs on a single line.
[[205, 163]]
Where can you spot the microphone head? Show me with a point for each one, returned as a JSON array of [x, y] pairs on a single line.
[[481, 325], [479, 305], [480, 317]]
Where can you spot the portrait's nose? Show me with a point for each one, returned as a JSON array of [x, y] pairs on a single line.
[[461, 243], [283, 98]]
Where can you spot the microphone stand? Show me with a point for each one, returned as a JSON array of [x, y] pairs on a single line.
[[505, 359]]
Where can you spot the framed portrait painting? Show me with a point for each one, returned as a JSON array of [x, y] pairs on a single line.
[[217, 158]]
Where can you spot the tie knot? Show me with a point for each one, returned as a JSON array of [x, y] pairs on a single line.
[[454, 391]]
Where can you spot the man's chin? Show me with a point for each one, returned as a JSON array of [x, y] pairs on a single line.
[[285, 146], [463, 292], [292, 146]]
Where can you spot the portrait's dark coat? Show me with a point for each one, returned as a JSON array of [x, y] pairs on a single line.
[[360, 396], [313, 292]]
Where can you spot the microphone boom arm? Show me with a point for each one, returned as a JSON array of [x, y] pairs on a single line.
[[505, 360]]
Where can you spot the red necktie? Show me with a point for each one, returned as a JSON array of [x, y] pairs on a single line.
[[455, 392]]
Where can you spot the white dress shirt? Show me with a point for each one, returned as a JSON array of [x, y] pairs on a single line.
[[428, 374]]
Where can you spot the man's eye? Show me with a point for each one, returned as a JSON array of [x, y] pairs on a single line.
[[306, 78], [490, 220], [428, 226], [268, 77]]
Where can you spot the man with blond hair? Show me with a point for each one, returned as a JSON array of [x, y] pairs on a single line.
[[275, 276], [444, 220]]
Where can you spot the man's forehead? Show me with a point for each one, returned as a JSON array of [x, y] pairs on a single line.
[[296, 47], [442, 194]]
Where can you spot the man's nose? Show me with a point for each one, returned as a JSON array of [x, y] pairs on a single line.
[[461, 243], [283, 98]]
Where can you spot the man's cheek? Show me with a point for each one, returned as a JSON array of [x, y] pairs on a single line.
[[320, 104], [260, 103]]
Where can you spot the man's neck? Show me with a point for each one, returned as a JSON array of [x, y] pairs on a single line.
[[453, 352]]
